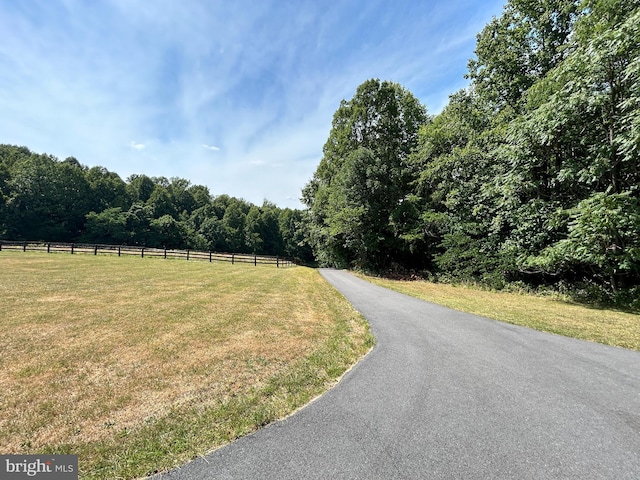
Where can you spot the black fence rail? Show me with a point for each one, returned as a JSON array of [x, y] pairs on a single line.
[[121, 250]]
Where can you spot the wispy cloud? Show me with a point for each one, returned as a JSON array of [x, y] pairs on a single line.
[[264, 78]]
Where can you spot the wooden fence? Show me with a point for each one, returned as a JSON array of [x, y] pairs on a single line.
[[120, 250]]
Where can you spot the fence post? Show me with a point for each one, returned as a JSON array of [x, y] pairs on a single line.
[[209, 256], [165, 253], [142, 252], [95, 250], [24, 247], [48, 247], [118, 250], [255, 260], [187, 255], [72, 249], [232, 255], [277, 262], [0, 246]]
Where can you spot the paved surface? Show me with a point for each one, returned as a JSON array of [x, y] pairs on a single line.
[[451, 395]]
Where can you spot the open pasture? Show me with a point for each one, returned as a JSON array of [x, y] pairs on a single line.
[[137, 365]]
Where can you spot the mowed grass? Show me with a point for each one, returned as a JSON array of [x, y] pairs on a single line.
[[138, 365], [547, 314]]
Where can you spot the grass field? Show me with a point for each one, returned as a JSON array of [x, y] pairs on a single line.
[[541, 313], [138, 365]]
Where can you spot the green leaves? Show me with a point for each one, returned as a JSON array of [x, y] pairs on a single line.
[[45, 199], [531, 174], [603, 239], [42, 198], [533, 171], [519, 47], [356, 193]]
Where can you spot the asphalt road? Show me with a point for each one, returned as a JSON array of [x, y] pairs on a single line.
[[451, 395]]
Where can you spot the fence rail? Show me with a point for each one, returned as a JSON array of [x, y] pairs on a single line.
[[121, 250]]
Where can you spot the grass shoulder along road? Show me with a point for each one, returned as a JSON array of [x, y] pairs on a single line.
[[138, 365], [548, 314]]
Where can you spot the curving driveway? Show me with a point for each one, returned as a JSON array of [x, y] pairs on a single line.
[[450, 395]]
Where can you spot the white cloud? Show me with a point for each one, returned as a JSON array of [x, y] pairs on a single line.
[[84, 78]]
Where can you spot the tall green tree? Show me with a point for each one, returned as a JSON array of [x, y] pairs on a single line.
[[201, 196], [140, 187], [138, 224], [455, 228], [214, 233], [161, 202], [379, 125], [4, 194], [181, 195], [108, 226], [519, 47], [167, 232], [108, 190], [480, 201], [234, 222], [47, 200], [252, 229], [272, 241], [293, 227], [587, 111]]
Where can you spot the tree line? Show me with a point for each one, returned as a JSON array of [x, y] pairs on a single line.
[[43, 198], [529, 176]]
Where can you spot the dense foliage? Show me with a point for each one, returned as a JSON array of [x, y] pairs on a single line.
[[529, 175], [356, 196], [42, 198]]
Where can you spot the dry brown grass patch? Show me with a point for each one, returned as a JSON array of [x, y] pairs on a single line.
[[96, 346]]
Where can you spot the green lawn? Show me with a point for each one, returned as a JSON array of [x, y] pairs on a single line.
[[138, 365], [548, 314]]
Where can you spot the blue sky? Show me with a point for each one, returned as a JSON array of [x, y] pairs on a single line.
[[236, 95]]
